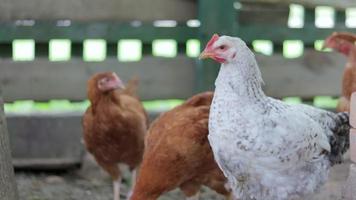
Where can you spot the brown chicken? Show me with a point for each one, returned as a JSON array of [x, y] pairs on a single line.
[[178, 153], [114, 126], [345, 44]]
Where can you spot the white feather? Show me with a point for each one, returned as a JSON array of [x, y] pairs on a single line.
[[267, 149]]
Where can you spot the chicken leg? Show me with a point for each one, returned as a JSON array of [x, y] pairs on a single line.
[[114, 171], [117, 185], [133, 182]]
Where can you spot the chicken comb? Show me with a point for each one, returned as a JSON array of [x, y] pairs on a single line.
[[350, 37], [343, 42], [212, 40]]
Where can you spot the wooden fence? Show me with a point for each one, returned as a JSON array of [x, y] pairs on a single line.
[[181, 76], [314, 73]]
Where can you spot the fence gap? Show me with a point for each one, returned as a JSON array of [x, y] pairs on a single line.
[[5, 50]]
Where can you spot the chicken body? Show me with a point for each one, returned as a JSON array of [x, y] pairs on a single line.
[[114, 125], [348, 83], [344, 43], [269, 150], [178, 154]]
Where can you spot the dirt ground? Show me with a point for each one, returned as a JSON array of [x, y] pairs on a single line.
[[91, 183], [87, 183]]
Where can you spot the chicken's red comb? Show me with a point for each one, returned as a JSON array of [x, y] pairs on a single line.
[[341, 41], [212, 40]]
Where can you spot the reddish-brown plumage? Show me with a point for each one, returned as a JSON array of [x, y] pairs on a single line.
[[115, 124], [178, 153], [348, 83], [345, 44]]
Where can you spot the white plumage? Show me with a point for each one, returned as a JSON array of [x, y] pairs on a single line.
[[268, 150]]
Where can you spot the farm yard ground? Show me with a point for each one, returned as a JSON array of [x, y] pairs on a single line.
[[90, 183]]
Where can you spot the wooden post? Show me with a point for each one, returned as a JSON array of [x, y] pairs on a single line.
[[216, 16], [350, 187], [8, 190]]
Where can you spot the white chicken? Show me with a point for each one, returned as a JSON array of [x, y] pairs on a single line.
[[267, 149]]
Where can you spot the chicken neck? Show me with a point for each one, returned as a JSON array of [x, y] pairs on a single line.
[[242, 79]]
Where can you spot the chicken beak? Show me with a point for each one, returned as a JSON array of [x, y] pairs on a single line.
[[119, 83], [205, 55]]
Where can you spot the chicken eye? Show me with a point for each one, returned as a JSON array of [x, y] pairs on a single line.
[[222, 47], [104, 80]]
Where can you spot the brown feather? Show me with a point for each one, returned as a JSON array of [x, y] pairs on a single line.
[[178, 153], [344, 43], [132, 86], [114, 127], [348, 80]]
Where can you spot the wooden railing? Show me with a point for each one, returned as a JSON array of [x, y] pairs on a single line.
[[314, 73], [34, 144]]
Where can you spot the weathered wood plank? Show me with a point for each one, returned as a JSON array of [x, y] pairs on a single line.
[[48, 140], [8, 189], [277, 33], [43, 31], [42, 80], [51, 131], [119, 10], [127, 10], [263, 13], [51, 140], [113, 31], [339, 4], [313, 74]]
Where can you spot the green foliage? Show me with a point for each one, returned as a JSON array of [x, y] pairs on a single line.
[[24, 107]]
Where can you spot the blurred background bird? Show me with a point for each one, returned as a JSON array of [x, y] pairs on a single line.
[[178, 154], [114, 125], [344, 43]]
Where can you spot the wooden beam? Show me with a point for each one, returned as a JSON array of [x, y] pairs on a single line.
[[128, 10], [37, 140], [43, 31], [8, 188], [339, 4], [263, 13], [35, 146], [278, 33], [160, 78], [313, 74], [87, 10], [110, 31]]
